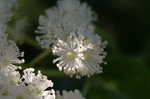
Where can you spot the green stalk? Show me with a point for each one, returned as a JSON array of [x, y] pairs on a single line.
[[40, 57]]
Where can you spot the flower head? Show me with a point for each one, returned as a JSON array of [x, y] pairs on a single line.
[[37, 82], [69, 28], [16, 82], [77, 56], [6, 10], [68, 16], [9, 52], [25, 86]]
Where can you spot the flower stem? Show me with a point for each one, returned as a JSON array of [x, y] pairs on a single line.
[[39, 57], [54, 73]]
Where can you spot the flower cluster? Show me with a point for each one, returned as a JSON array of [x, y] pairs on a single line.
[[9, 52], [69, 28], [6, 10], [14, 85], [68, 16], [17, 85]]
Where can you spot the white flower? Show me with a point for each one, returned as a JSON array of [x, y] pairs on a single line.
[[49, 94], [11, 73], [22, 92], [69, 27], [39, 82], [24, 86], [9, 52], [77, 56], [9, 78], [69, 95], [16, 83], [68, 16], [6, 10]]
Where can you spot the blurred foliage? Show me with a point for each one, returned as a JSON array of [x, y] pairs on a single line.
[[125, 24]]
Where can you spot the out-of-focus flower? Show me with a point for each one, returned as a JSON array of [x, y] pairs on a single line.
[[77, 56], [9, 52], [6, 10], [68, 16], [69, 95]]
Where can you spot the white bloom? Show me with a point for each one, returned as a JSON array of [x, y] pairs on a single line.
[[77, 56], [22, 92], [11, 73], [6, 10], [39, 82], [25, 86], [17, 85], [49, 94], [69, 95], [68, 16], [9, 52], [9, 78]]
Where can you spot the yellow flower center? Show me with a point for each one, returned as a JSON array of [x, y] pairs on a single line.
[[71, 55]]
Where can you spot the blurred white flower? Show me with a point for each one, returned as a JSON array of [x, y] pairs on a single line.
[[9, 52], [68, 16], [69, 95], [6, 10], [77, 56]]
